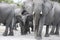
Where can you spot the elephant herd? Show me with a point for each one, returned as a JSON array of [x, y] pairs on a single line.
[[46, 12], [10, 15]]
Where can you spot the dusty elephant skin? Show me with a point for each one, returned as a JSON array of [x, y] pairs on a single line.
[[6, 16], [27, 17], [29, 23], [50, 14], [55, 21]]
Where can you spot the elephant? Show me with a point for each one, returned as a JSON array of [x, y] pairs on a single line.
[[29, 23], [55, 21], [24, 17], [18, 19], [6, 17], [17, 14], [50, 14], [44, 18]]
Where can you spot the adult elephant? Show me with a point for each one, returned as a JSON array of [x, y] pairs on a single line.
[[45, 18], [56, 16], [50, 14], [6, 17], [55, 23]]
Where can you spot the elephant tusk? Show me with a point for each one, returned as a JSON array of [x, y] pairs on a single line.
[[41, 12], [33, 12]]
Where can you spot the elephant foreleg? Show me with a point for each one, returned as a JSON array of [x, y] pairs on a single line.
[[57, 30], [41, 23], [6, 31], [11, 29], [52, 30], [47, 31]]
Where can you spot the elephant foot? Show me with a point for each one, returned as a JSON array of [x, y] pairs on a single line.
[[38, 35], [10, 34], [56, 33], [51, 33], [38, 38], [5, 34], [32, 30], [23, 33], [16, 29], [46, 35], [29, 31]]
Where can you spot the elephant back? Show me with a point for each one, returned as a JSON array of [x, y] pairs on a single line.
[[5, 11]]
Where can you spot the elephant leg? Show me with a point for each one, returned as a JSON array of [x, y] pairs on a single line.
[[41, 23], [47, 31], [32, 28], [52, 30], [11, 29], [7, 26], [36, 26], [6, 31], [36, 30], [12, 21], [57, 30], [22, 28], [14, 26]]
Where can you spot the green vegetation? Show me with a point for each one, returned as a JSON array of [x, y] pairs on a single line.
[[19, 4], [7, 1]]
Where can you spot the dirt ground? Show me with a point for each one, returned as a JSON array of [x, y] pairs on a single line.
[[18, 36]]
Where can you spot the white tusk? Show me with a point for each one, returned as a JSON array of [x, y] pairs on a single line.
[[41, 12], [33, 12]]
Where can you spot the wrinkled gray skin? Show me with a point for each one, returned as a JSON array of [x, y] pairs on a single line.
[[6, 17], [47, 17], [36, 7], [28, 4], [37, 10], [17, 13], [55, 21], [18, 19], [25, 14], [29, 23]]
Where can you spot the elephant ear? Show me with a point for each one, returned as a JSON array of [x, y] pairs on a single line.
[[47, 7]]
